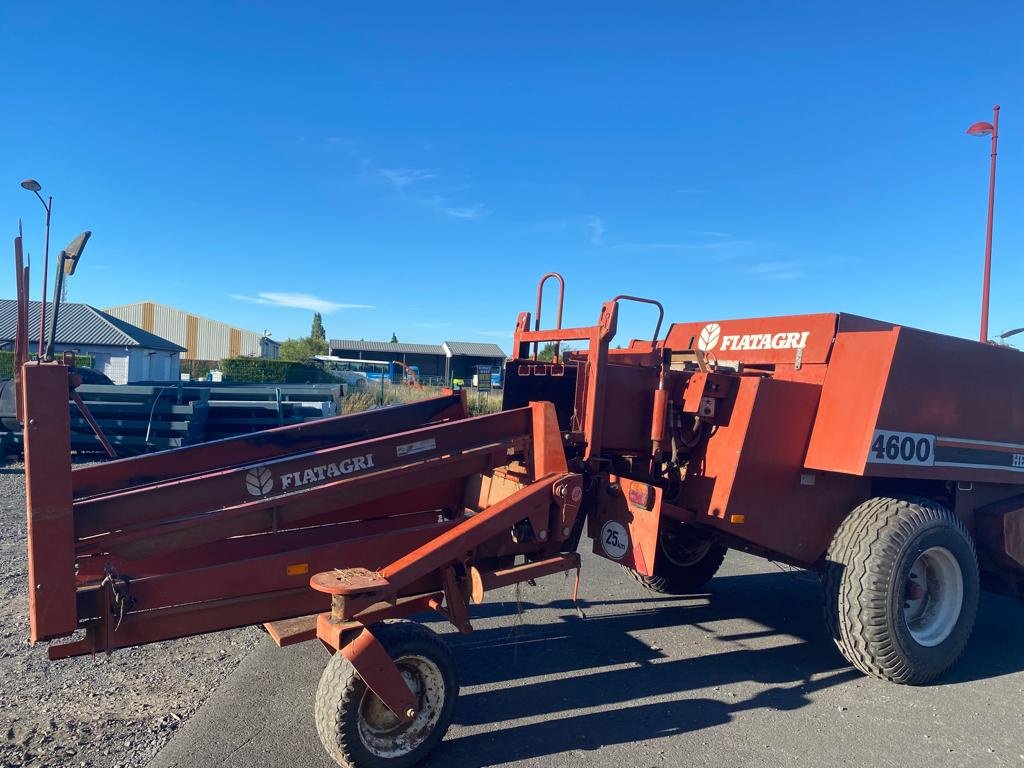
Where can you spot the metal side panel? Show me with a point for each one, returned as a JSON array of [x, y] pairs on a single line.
[[850, 399], [51, 533], [750, 482], [912, 404]]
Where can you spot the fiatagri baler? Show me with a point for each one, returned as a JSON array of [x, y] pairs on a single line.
[[890, 460]]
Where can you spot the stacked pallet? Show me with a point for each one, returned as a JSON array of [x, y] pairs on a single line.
[[140, 418], [238, 408]]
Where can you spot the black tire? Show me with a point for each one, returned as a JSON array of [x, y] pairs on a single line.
[[686, 560], [353, 724], [871, 597]]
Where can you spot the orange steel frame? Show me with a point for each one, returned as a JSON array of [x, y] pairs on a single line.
[[761, 434]]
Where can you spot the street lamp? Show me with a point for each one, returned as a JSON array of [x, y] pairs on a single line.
[[34, 186], [68, 262], [988, 129]]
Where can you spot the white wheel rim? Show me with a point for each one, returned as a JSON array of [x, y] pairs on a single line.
[[385, 735], [934, 596]]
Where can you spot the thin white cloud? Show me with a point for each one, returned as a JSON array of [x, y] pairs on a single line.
[[703, 233], [595, 225], [495, 334], [416, 185], [298, 301], [680, 246], [775, 270], [472, 212], [401, 178], [407, 182]]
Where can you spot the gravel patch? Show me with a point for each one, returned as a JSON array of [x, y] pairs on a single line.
[[106, 712]]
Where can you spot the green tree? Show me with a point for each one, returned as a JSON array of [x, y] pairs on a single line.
[[296, 350], [547, 352], [301, 350], [317, 332]]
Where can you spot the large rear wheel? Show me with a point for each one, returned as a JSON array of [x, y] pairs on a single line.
[[901, 589], [685, 561], [355, 726]]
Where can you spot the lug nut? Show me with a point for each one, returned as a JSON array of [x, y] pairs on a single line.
[[410, 713]]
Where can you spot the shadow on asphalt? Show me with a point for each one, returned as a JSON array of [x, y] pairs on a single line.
[[623, 725], [753, 643], [787, 605]]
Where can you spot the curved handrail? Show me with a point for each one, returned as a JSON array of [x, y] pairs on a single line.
[[661, 311], [540, 298]]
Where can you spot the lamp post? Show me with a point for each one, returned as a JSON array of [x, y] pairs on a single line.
[[67, 263], [34, 186], [988, 129]]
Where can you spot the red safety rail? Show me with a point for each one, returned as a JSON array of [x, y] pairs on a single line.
[[228, 533]]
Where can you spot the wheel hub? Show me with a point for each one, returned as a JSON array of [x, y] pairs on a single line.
[[386, 735], [683, 549], [933, 597]]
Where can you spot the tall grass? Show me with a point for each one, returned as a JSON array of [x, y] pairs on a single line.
[[392, 394]]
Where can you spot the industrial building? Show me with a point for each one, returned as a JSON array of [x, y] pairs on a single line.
[[203, 339], [120, 350], [443, 363]]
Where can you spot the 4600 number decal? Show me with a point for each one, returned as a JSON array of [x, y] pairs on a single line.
[[902, 448]]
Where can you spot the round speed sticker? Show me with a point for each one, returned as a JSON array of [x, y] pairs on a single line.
[[614, 539]]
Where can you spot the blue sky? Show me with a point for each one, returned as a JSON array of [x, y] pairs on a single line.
[[416, 167]]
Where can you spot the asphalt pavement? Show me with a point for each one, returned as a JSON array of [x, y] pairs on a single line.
[[742, 675]]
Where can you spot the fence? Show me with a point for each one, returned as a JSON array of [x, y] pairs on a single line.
[[260, 370], [7, 363]]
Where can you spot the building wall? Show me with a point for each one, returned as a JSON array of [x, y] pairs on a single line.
[[203, 339], [269, 349], [153, 365], [123, 365]]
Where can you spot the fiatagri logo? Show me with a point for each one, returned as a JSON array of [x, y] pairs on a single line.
[[711, 338], [259, 481]]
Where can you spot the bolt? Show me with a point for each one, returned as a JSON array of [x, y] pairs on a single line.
[[543, 535], [410, 713], [562, 491], [566, 531]]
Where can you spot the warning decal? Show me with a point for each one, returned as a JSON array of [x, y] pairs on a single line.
[[418, 447]]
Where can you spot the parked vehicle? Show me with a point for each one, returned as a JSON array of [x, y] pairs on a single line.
[[887, 459]]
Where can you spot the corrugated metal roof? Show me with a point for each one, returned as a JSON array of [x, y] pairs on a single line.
[[386, 346], [475, 349], [82, 324]]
